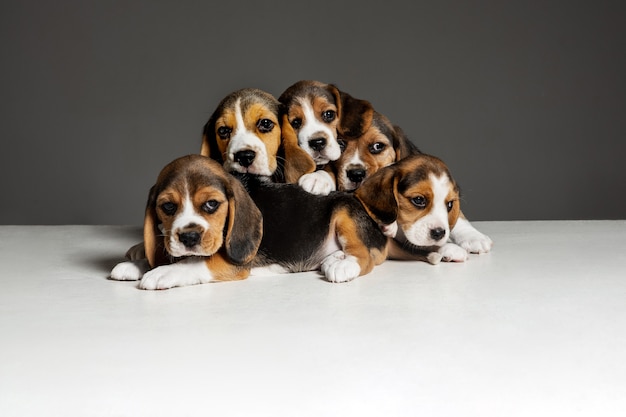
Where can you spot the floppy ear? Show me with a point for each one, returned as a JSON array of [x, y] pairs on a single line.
[[209, 142], [297, 161], [402, 144], [378, 195], [245, 225], [355, 115], [152, 239]]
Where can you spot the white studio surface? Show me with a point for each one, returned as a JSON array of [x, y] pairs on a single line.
[[535, 328]]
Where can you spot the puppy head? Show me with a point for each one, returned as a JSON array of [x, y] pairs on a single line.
[[243, 133], [419, 194], [317, 112], [380, 145], [196, 208]]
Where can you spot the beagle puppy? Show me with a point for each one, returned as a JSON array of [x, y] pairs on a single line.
[[317, 112], [380, 145], [200, 226], [342, 235]]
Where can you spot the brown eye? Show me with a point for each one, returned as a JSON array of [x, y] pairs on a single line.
[[419, 202], [450, 205], [265, 125], [169, 208], [328, 116], [342, 144], [296, 123], [224, 132], [210, 206], [377, 148]]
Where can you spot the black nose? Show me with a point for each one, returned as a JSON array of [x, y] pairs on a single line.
[[356, 175], [189, 239], [245, 158], [437, 233], [317, 144]]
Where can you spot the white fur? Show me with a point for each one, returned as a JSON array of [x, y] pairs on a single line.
[[318, 182], [312, 128], [339, 267], [355, 161], [243, 139], [419, 232], [130, 270], [187, 216], [189, 271], [451, 252], [390, 230], [470, 239]]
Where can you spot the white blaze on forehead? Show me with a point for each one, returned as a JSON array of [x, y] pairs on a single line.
[[437, 217], [186, 217], [313, 128], [243, 139]]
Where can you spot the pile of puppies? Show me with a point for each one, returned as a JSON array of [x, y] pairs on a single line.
[[313, 180]]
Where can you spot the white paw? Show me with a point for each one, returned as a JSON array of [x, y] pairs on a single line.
[[176, 275], [318, 182], [130, 270], [434, 258], [390, 230], [470, 239], [452, 253], [339, 267], [136, 252], [474, 242]]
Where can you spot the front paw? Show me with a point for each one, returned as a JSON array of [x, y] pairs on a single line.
[[339, 267], [390, 230], [452, 253], [318, 182], [130, 270], [474, 242]]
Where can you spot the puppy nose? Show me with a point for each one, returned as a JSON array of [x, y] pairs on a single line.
[[245, 158], [437, 233], [189, 239], [356, 175], [317, 144]]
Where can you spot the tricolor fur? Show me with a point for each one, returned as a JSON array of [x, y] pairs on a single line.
[[200, 226]]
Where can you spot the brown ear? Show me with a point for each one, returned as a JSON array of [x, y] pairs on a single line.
[[152, 239], [297, 161], [378, 195], [402, 144], [245, 225], [209, 142], [355, 115]]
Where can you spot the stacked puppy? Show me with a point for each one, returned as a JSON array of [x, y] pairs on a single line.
[[313, 180]]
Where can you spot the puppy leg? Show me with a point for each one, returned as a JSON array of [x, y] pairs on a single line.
[[339, 267], [190, 271], [470, 239], [136, 252], [451, 252], [130, 270], [318, 182]]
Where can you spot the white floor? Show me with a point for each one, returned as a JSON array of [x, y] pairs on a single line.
[[536, 328]]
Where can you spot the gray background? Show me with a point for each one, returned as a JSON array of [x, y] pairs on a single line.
[[525, 101]]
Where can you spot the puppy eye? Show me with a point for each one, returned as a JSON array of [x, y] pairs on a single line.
[[450, 205], [328, 116], [169, 208], [224, 132], [265, 125], [210, 206], [342, 144], [377, 148], [419, 202], [296, 123]]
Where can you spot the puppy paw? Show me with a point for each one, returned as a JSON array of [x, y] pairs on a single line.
[[318, 182], [339, 267], [434, 258], [390, 230], [452, 253], [176, 275], [130, 270], [474, 242]]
